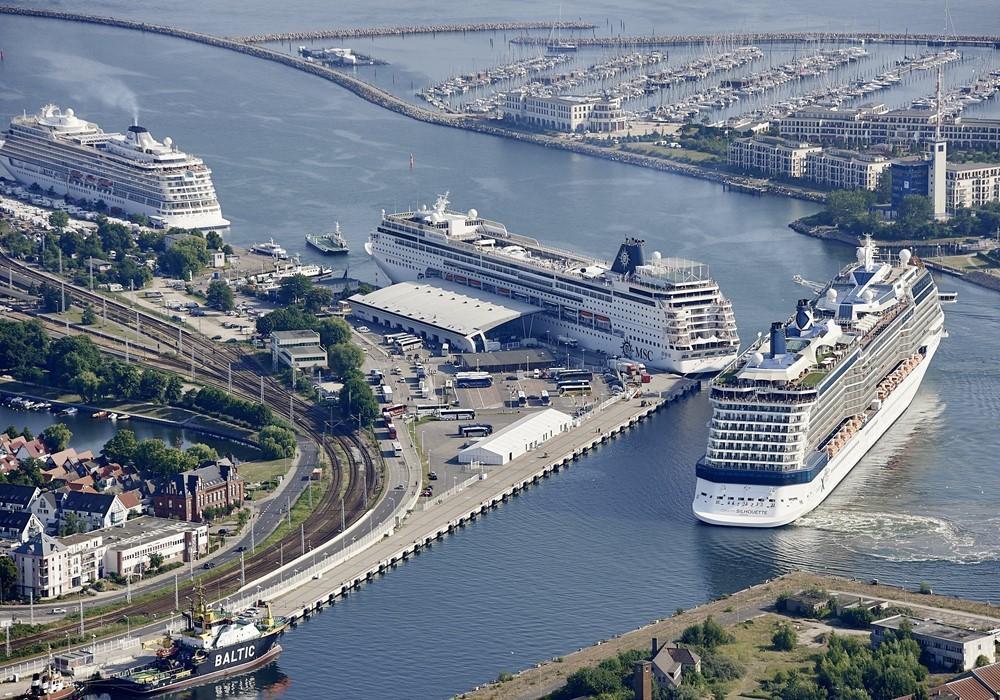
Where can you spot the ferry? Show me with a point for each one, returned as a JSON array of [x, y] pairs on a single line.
[[214, 645], [330, 244], [665, 312], [798, 410], [132, 172], [270, 249]]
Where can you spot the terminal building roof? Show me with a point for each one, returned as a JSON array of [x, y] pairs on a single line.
[[446, 305]]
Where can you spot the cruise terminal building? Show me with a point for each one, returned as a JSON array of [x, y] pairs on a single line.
[[446, 312]]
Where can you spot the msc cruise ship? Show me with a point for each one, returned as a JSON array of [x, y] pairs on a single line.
[[132, 171], [665, 312], [796, 411]]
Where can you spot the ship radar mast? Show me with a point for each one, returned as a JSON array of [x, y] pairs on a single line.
[[867, 252], [441, 203]]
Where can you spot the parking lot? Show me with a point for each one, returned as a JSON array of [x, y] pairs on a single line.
[[439, 441]]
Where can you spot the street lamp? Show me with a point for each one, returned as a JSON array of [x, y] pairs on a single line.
[[128, 626]]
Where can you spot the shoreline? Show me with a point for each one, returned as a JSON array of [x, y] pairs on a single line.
[[550, 675]]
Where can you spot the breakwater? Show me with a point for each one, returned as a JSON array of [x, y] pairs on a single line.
[[982, 40], [371, 32], [389, 101]]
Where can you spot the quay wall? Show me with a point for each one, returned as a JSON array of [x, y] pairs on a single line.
[[389, 101], [369, 32], [977, 40]]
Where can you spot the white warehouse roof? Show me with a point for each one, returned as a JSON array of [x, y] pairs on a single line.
[[446, 305], [517, 438]]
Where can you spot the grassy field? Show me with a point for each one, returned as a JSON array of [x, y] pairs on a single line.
[[963, 262], [264, 470], [752, 648], [685, 155]]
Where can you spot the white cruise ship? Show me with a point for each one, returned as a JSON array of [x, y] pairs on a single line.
[[796, 411], [664, 312], [132, 171]]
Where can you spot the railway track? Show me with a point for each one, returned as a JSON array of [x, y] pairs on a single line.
[[221, 366]]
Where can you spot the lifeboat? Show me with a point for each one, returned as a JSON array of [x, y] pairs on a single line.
[[475, 283], [503, 291], [460, 279], [586, 317], [104, 182]]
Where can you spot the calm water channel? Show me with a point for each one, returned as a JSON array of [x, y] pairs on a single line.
[[609, 544]]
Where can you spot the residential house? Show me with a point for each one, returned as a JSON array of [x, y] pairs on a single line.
[[96, 510], [670, 663], [187, 495], [132, 500], [17, 499], [945, 646], [19, 526]]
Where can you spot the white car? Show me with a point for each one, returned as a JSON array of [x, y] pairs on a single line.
[[58, 611], [363, 329]]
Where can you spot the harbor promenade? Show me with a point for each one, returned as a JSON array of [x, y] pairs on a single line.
[[371, 32]]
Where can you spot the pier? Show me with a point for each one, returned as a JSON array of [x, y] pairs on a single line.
[[313, 587], [372, 32], [977, 40]]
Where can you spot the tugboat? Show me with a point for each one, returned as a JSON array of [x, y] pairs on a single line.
[[215, 644], [49, 684], [330, 244]]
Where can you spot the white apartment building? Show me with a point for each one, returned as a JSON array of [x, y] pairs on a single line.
[[771, 155], [566, 113], [946, 646], [971, 185], [845, 170], [297, 349]]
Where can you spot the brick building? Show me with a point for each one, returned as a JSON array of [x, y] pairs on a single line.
[[186, 495]]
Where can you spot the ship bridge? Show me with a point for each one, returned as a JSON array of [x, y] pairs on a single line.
[[446, 312]]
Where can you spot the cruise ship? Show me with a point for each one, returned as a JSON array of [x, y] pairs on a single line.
[[132, 171], [664, 312], [795, 412]]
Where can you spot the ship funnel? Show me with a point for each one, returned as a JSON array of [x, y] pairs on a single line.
[[803, 316], [777, 339]]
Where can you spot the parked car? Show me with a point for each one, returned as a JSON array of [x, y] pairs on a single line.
[[58, 611], [208, 565], [363, 329], [432, 476]]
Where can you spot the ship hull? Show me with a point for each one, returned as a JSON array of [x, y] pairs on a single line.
[[792, 502], [325, 249], [592, 339], [221, 663], [207, 221]]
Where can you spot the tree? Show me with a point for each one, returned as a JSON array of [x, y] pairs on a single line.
[[155, 560], [345, 358], [213, 240], [333, 331], [56, 437], [219, 295], [173, 390], [357, 402], [58, 220], [277, 442], [202, 452], [152, 384], [294, 289], [318, 298], [88, 318], [914, 212], [10, 587], [70, 355], [87, 385], [51, 296], [71, 524], [23, 344], [982, 660], [185, 258], [784, 638], [121, 447]]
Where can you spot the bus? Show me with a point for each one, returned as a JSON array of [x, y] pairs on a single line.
[[397, 449], [392, 430], [475, 430], [424, 409], [578, 374], [386, 393], [457, 414], [470, 380], [569, 388], [391, 338], [394, 411], [522, 398], [546, 400], [411, 342]]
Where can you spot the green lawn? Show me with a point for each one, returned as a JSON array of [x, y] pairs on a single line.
[[752, 649], [264, 470], [813, 378]]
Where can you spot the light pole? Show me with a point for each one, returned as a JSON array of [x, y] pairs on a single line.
[[128, 625]]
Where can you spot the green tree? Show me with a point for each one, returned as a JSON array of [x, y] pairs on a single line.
[[121, 447], [71, 524], [213, 240], [87, 385], [173, 391], [152, 384], [294, 289], [88, 318], [982, 660], [318, 298], [56, 437], [70, 355], [333, 331], [202, 452], [23, 344], [345, 358], [10, 587], [784, 638], [58, 220], [276, 442], [220, 296], [357, 402], [185, 258], [52, 298], [914, 212], [155, 560]]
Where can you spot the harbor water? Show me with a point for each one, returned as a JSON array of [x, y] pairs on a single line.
[[610, 543]]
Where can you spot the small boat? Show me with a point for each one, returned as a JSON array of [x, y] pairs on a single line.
[[99, 415], [71, 411], [113, 417], [121, 416], [330, 244], [271, 249], [49, 684]]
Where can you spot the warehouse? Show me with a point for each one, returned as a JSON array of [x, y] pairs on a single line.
[[445, 312], [517, 438], [510, 360]]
